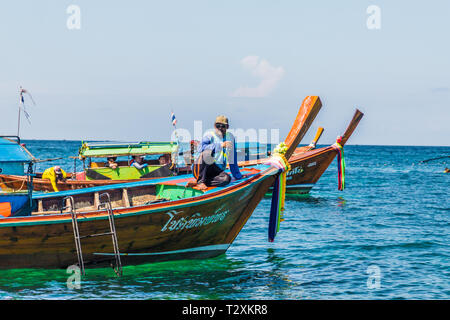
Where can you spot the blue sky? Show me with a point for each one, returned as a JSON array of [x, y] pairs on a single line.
[[132, 62]]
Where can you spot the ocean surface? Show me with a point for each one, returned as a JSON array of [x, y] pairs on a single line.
[[386, 236]]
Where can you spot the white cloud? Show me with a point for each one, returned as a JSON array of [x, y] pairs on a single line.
[[261, 68]]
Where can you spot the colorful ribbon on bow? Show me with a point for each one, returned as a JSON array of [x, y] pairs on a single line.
[[341, 163], [279, 161]]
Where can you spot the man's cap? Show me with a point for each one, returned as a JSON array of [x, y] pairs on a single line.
[[222, 120], [57, 169]]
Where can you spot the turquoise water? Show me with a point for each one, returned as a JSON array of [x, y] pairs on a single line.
[[385, 237]]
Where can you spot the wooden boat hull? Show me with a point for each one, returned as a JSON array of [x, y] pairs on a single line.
[[149, 226], [177, 230]]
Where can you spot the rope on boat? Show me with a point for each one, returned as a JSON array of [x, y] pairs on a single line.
[[432, 159], [341, 163], [13, 180], [279, 161]]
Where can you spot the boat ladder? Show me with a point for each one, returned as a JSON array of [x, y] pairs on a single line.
[[106, 204]]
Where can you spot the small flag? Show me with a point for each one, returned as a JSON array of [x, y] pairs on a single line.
[[22, 100], [173, 119], [22, 91]]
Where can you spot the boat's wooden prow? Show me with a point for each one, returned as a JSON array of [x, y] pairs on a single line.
[[308, 111], [352, 126]]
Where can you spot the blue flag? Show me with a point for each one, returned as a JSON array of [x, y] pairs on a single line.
[[173, 119]]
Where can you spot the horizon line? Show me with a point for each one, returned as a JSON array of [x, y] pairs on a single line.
[[347, 144]]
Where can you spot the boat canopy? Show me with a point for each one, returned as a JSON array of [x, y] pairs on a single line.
[[113, 149], [12, 151]]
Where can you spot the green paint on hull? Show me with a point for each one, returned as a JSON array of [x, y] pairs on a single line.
[[174, 192]]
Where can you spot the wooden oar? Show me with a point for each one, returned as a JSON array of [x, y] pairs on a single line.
[[312, 145], [305, 117], [352, 126], [317, 137]]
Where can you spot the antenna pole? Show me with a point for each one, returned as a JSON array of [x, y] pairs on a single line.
[[18, 118]]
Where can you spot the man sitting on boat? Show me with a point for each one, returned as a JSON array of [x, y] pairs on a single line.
[[138, 162], [164, 160], [111, 163], [216, 149], [54, 174]]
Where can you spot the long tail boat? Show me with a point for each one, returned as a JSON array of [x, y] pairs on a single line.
[[308, 166], [150, 220], [308, 163]]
